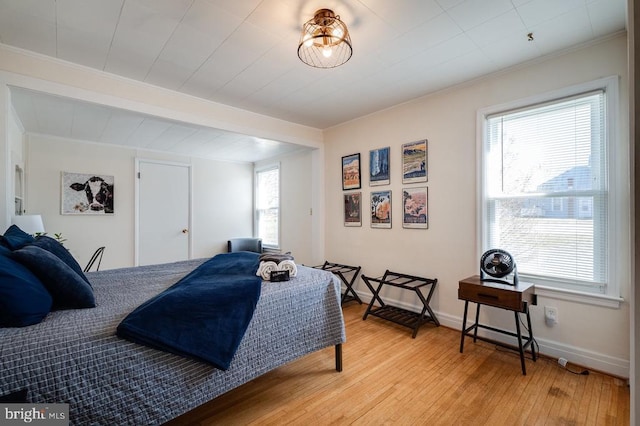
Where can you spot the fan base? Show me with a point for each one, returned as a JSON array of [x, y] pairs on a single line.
[[508, 281]]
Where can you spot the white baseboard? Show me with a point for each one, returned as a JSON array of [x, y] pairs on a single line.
[[580, 356]]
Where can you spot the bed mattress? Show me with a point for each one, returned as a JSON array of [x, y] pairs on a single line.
[[74, 356]]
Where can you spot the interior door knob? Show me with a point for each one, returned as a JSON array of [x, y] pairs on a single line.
[[185, 231]]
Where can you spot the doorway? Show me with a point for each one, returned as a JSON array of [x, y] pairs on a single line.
[[163, 212]]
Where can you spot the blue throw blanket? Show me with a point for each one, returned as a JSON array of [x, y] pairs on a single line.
[[204, 315]]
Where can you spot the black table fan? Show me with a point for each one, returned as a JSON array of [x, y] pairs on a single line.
[[498, 266]]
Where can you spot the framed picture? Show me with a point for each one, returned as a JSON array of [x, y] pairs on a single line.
[[414, 162], [353, 209], [381, 209], [87, 194], [379, 166], [351, 171], [415, 203]]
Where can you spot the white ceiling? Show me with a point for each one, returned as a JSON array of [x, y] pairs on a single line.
[[243, 53], [83, 121]]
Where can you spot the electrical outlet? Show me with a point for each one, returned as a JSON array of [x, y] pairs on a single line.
[[550, 315]]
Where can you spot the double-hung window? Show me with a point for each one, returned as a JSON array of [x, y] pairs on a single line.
[[546, 192], [267, 202]]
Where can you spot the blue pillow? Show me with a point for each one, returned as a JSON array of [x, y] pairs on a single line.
[[23, 299], [15, 238], [53, 246], [4, 251], [68, 289]]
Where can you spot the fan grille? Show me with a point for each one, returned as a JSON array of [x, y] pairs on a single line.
[[497, 263]]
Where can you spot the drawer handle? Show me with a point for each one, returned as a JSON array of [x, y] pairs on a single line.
[[488, 296]]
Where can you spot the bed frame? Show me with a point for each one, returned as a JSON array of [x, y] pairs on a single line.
[[75, 357]]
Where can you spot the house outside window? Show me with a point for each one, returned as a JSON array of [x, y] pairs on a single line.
[[547, 188], [267, 202]]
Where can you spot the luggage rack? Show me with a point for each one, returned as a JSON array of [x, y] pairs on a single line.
[[342, 271], [396, 314]]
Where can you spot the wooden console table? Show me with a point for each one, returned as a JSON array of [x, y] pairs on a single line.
[[398, 315], [513, 298], [342, 271]]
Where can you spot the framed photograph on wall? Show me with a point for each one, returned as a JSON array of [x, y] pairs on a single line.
[[414, 162], [415, 213], [353, 209], [86, 194], [381, 209], [351, 171], [379, 166]]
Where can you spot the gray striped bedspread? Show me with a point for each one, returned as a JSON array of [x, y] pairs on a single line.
[[75, 357]]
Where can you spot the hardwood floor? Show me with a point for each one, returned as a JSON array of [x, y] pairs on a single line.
[[391, 379]]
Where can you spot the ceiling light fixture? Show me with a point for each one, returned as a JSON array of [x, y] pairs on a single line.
[[325, 41]]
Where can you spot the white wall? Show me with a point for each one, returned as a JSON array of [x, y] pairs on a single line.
[[594, 336], [222, 204], [6, 195], [16, 154], [222, 200]]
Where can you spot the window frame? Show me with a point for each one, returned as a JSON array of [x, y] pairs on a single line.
[[257, 170], [615, 146]]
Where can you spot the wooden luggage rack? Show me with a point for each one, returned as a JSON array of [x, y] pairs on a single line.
[[343, 272], [396, 314]]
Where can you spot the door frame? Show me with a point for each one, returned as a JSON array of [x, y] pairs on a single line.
[[137, 204]]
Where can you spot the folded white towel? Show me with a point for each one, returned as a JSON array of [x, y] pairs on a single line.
[[265, 268], [288, 265]]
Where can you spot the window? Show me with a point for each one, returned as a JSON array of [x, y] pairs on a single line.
[[267, 189], [546, 195]]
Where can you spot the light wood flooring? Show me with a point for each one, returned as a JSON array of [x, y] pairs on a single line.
[[391, 379]]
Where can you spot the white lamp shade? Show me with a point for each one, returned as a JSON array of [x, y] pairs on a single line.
[[30, 223]]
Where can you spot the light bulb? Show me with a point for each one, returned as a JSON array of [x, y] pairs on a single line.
[[308, 40], [326, 51]]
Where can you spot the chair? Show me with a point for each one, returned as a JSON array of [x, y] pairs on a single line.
[[96, 256], [244, 244]]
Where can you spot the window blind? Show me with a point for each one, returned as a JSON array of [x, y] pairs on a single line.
[[546, 190]]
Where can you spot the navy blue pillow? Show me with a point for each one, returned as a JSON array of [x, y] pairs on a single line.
[[68, 289], [23, 299], [53, 246], [15, 238]]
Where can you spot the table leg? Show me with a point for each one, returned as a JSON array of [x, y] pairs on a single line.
[[475, 331], [464, 325], [524, 368], [533, 349]]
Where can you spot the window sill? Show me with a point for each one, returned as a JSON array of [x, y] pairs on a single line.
[[579, 297]]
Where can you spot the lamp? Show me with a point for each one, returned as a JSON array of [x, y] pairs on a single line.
[[325, 41], [29, 223]]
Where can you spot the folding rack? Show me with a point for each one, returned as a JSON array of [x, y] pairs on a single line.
[[342, 271], [398, 315]]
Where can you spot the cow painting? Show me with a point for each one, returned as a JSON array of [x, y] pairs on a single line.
[[87, 194]]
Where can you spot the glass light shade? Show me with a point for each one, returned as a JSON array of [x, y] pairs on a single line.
[[29, 223], [325, 41]]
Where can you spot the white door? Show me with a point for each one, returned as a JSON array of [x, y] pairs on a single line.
[[164, 212]]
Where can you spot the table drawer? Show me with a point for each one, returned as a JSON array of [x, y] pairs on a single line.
[[486, 295]]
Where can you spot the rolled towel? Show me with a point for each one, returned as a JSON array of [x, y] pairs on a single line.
[[265, 268], [288, 265]]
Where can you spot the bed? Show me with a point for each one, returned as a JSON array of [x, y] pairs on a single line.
[[75, 357]]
